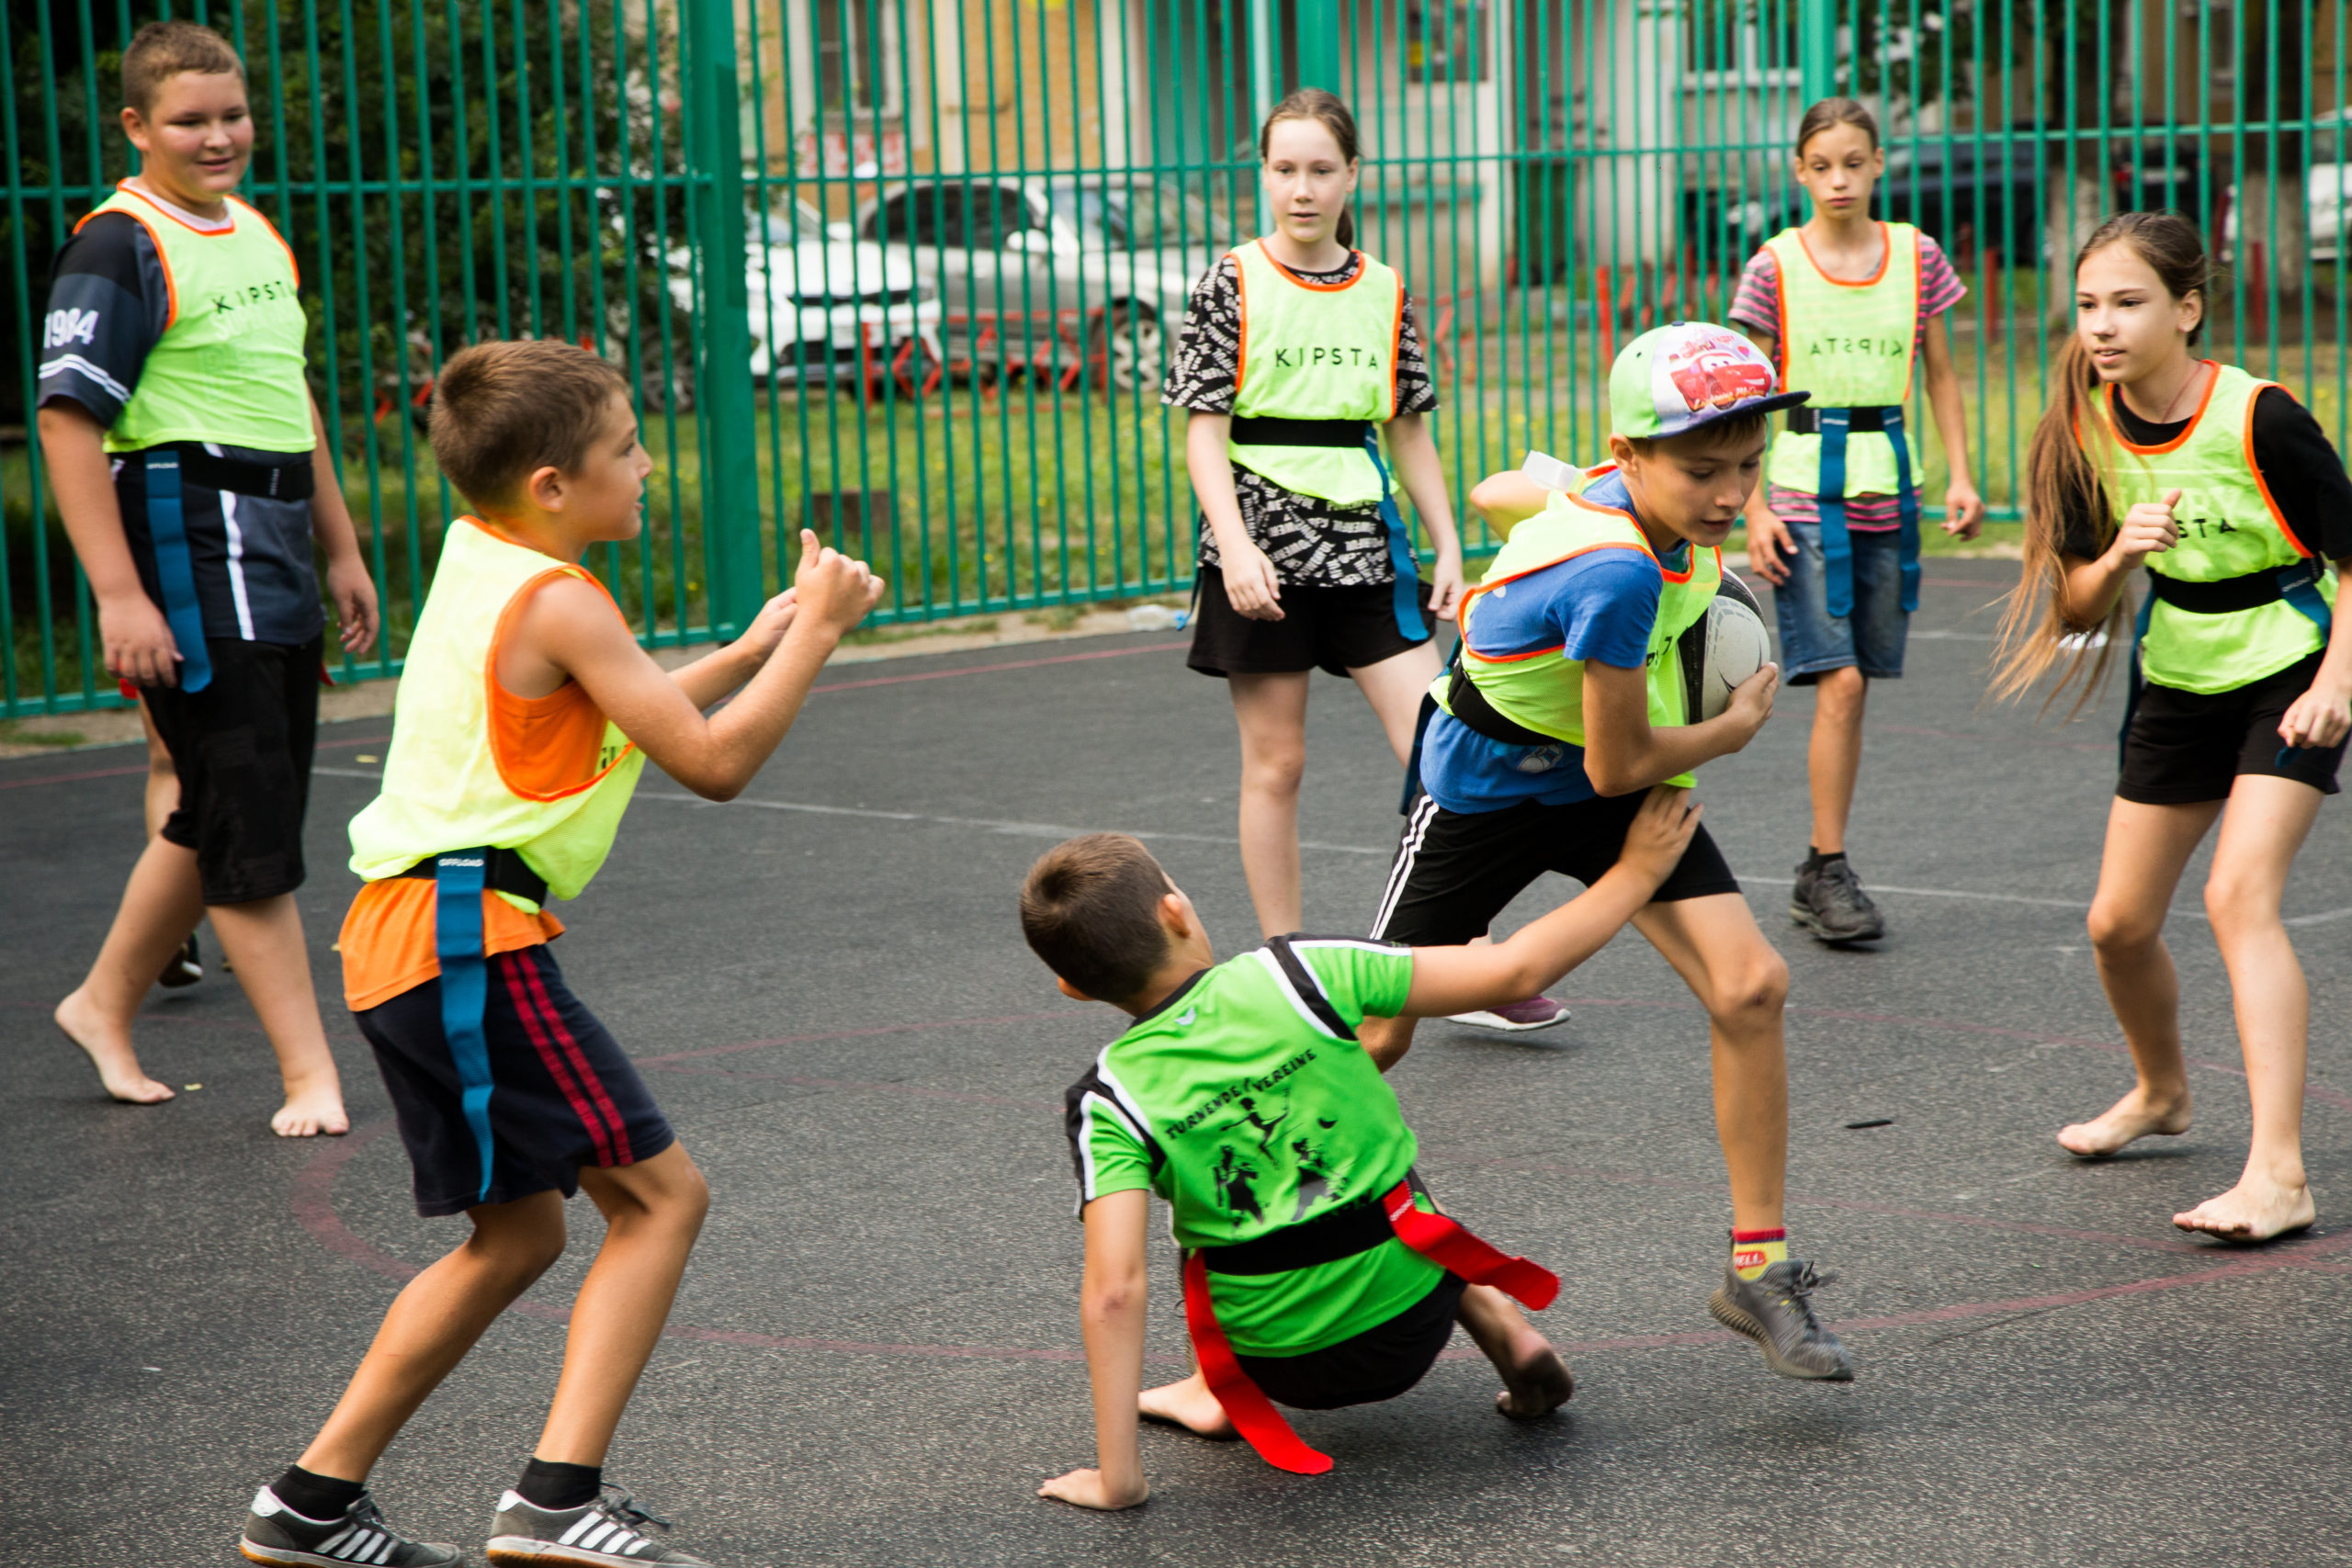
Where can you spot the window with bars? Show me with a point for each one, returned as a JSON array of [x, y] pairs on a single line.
[[1742, 38]]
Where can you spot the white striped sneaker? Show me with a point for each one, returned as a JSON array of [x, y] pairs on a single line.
[[608, 1531], [275, 1533]]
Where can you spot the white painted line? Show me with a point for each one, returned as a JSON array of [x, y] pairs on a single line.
[[1057, 830]]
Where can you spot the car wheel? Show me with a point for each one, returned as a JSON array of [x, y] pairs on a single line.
[[1127, 348]]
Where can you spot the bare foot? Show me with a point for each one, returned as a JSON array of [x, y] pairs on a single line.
[[109, 1050], [2256, 1209], [1189, 1404], [1535, 1383], [2133, 1117], [309, 1112]]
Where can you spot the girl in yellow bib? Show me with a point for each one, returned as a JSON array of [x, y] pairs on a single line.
[[1849, 306], [1298, 353], [2223, 486]]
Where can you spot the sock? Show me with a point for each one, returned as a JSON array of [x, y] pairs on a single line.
[[554, 1485], [315, 1496], [1815, 860], [1752, 1252]]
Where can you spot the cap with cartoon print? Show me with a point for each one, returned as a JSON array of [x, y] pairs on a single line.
[[1686, 374]]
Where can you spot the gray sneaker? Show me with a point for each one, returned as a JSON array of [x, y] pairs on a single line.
[[610, 1531], [1776, 1313], [1828, 901], [275, 1533]]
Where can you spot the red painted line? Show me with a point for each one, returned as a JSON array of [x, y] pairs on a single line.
[[987, 669]]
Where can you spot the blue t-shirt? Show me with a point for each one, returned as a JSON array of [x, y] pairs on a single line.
[[1600, 607]]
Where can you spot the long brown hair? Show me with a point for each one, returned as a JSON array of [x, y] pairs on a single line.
[[1830, 112], [1326, 111], [2061, 476]]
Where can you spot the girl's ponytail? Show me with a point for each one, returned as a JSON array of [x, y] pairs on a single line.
[[2062, 477]]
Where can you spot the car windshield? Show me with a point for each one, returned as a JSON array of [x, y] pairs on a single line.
[[792, 219], [1146, 215]]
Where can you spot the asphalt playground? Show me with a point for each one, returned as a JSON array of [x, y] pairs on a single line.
[[874, 1358]]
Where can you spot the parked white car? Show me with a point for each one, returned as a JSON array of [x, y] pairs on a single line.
[[2326, 190], [825, 307], [1060, 274]]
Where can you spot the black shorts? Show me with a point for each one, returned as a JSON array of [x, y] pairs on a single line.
[[563, 1094], [1456, 871], [242, 749], [2184, 747], [1338, 630], [1364, 1368]]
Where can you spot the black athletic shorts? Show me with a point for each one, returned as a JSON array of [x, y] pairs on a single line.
[[242, 749], [1456, 871], [563, 1094], [1338, 630], [2184, 747], [1380, 1363]]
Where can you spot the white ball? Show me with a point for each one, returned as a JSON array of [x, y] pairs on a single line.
[[1737, 646]]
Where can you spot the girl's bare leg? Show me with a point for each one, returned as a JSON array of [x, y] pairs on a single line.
[[433, 1322], [263, 941], [1535, 1381], [1271, 711], [1395, 688], [163, 777], [2147, 846], [2265, 823], [1834, 753]]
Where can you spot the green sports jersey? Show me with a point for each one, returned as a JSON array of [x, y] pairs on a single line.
[[1245, 1101]]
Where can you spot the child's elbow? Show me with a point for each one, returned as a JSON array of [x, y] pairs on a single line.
[[1109, 1300], [1489, 492]]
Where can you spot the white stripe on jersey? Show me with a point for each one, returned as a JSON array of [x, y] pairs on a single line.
[[1290, 994], [237, 564], [1086, 1110], [74, 363]]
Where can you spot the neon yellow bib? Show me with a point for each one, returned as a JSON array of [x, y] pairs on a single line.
[[229, 365], [444, 787], [1317, 351], [1850, 344], [2228, 528], [1542, 692]]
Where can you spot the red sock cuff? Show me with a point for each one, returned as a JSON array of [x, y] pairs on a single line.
[[1759, 1236]]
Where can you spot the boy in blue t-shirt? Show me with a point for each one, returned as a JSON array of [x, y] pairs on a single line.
[[1567, 706]]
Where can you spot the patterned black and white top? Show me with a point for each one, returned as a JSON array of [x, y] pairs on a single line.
[[1311, 542]]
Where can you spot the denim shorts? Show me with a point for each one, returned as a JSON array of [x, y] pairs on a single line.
[[1812, 639]]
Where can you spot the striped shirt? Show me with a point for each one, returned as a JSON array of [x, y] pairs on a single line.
[[1756, 307]]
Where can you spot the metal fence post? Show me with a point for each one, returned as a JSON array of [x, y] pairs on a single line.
[[1319, 45], [1817, 49], [731, 527]]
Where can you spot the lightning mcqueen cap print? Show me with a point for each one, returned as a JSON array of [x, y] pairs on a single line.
[[1688, 374]]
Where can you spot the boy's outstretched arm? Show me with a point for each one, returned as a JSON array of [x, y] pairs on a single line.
[[569, 628], [1623, 752], [1448, 980], [1112, 1312], [1508, 499]]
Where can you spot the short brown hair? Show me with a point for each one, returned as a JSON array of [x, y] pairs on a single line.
[[1831, 113], [1090, 909], [1725, 431], [504, 410], [161, 50]]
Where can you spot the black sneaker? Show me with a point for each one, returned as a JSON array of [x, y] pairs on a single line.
[[610, 1531], [275, 1533], [185, 969], [1776, 1311], [1828, 901]]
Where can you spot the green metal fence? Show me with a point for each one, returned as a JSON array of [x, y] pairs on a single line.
[[909, 271]]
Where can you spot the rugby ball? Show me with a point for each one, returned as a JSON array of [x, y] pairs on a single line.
[[1725, 646]]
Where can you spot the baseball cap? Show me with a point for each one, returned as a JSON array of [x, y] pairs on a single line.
[[1685, 375]]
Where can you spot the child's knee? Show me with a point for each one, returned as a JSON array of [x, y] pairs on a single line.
[[1274, 768], [1753, 990], [2116, 929], [2236, 903]]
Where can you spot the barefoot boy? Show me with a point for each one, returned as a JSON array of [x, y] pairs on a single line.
[[525, 713], [1320, 1274], [194, 477], [1567, 705]]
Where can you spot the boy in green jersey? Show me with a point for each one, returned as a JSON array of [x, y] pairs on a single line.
[[1318, 1273]]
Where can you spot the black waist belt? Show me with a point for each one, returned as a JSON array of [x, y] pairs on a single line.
[[1469, 704], [1806, 420], [1255, 431], [289, 480], [504, 873], [1342, 1232], [2251, 591]]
